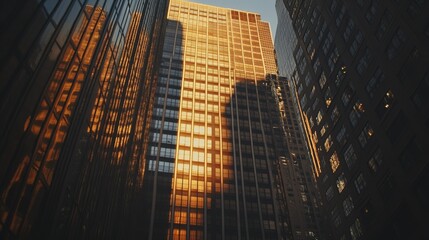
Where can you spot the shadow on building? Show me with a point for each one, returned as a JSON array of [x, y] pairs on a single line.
[[75, 133]]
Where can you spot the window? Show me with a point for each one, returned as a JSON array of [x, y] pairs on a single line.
[[349, 30], [328, 97], [363, 63], [360, 183], [341, 182], [333, 58], [372, 11], [374, 82], [375, 161], [335, 162], [336, 217], [396, 43], [322, 80], [327, 44], [385, 104], [329, 193], [354, 116], [347, 95], [348, 205], [356, 230], [319, 116], [366, 133], [328, 143], [335, 115], [340, 75], [354, 47], [350, 156], [385, 23], [316, 65], [341, 136], [340, 16]]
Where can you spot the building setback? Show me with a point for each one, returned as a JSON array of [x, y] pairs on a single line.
[[218, 163], [77, 83], [359, 69]]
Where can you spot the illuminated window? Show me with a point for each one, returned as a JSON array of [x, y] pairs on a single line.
[[341, 182], [335, 162], [328, 143]]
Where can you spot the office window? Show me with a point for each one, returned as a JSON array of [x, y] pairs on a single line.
[[397, 42], [372, 11], [335, 162], [350, 156], [356, 230], [363, 62], [385, 22], [328, 143], [349, 30], [385, 104], [322, 80], [348, 205], [366, 133], [357, 41], [354, 116], [327, 44], [374, 82], [335, 115], [336, 216], [341, 182], [329, 193], [360, 183], [375, 160], [342, 136], [333, 58], [340, 16]]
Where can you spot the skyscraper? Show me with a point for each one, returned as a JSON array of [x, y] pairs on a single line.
[[77, 84], [218, 163], [360, 72]]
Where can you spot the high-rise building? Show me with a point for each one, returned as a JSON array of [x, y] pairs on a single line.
[[359, 69], [218, 163], [77, 87]]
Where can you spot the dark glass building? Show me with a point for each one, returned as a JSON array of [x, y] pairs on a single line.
[[359, 69], [76, 94]]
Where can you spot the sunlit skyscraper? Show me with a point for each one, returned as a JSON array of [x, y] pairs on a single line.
[[213, 168]]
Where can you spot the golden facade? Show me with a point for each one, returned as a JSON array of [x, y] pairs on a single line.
[[210, 159]]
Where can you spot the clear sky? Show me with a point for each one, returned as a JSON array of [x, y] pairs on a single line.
[[266, 8]]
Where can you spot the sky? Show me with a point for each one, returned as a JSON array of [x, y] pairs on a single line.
[[266, 8]]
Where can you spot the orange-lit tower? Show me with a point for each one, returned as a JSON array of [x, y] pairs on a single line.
[[212, 168]]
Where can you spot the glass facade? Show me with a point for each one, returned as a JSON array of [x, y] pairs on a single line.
[[77, 83], [213, 165], [360, 70]]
